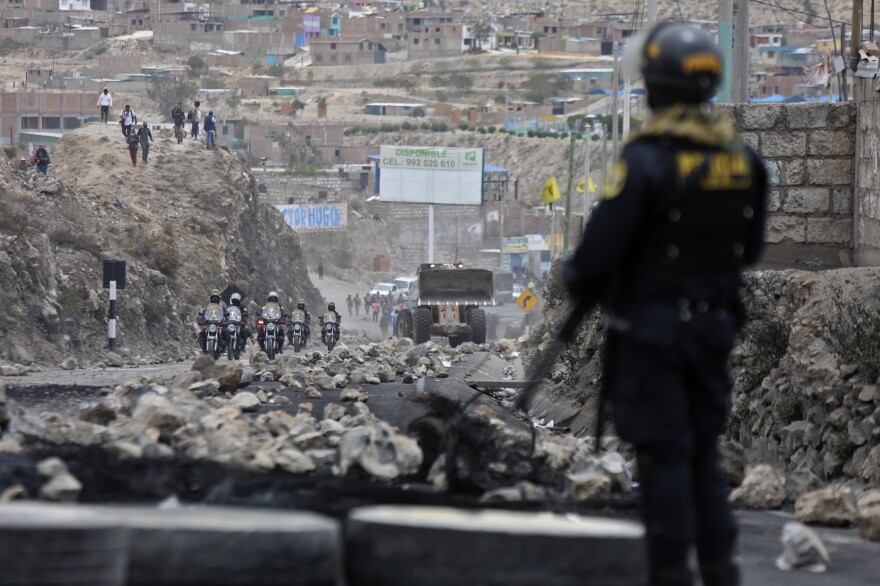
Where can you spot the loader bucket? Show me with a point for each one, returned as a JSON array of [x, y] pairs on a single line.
[[456, 286]]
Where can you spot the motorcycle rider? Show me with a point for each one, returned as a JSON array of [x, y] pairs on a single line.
[[337, 321], [244, 332], [301, 305], [271, 300], [214, 299]]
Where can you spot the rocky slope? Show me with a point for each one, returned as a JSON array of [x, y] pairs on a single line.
[[187, 222], [806, 397]]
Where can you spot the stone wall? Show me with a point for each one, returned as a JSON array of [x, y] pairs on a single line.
[[809, 152]]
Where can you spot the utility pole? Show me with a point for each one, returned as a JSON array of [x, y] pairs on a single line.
[[725, 45], [844, 91], [615, 102], [568, 196], [652, 12], [856, 33], [588, 140], [627, 106], [740, 73]]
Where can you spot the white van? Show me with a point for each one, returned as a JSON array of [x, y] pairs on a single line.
[[407, 285]]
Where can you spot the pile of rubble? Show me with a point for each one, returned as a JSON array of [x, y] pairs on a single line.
[[797, 403], [837, 506], [238, 416]]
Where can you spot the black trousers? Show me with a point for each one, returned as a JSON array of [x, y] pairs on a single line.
[[105, 114], [671, 392]]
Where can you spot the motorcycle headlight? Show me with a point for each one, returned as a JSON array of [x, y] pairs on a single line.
[[230, 327], [270, 327], [212, 328]]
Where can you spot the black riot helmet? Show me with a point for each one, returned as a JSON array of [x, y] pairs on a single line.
[[681, 64], [331, 306]]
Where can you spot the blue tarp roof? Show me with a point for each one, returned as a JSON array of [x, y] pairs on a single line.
[[769, 99], [776, 98]]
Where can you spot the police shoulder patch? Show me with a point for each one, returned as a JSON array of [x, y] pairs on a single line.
[[615, 181]]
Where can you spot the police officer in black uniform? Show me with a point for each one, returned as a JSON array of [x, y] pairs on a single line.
[[682, 214]]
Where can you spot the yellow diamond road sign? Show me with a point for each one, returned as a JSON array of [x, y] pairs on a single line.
[[527, 300]]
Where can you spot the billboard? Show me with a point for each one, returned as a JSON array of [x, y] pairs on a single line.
[[431, 175], [328, 216]]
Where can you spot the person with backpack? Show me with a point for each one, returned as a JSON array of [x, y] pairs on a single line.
[[179, 119], [127, 118], [194, 116], [41, 159], [145, 137], [133, 144], [210, 130]]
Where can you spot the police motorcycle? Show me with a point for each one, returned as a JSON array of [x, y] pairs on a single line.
[[212, 322], [234, 343], [328, 330], [298, 329], [271, 321]]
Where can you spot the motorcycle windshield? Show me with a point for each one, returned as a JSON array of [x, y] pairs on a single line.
[[298, 316], [214, 312], [329, 318], [234, 314], [271, 311]]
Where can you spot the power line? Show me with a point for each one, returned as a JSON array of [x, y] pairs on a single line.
[[792, 12]]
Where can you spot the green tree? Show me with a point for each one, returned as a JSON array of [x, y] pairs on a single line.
[[197, 65], [167, 92], [481, 33], [417, 112]]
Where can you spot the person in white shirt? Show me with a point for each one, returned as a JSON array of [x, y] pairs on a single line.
[[127, 117], [195, 117], [105, 101]]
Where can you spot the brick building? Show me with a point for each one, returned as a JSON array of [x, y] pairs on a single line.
[[362, 51], [44, 113]]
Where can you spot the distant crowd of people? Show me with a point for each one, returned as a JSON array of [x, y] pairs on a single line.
[[383, 309], [141, 138]]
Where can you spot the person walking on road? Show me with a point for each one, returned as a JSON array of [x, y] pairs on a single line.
[[683, 213], [133, 144], [146, 137], [349, 301], [321, 270], [105, 102], [357, 304], [179, 119], [384, 323], [376, 308], [127, 118]]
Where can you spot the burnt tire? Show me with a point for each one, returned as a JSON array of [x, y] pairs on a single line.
[[405, 324], [477, 320], [421, 325], [436, 546], [230, 547], [44, 544]]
